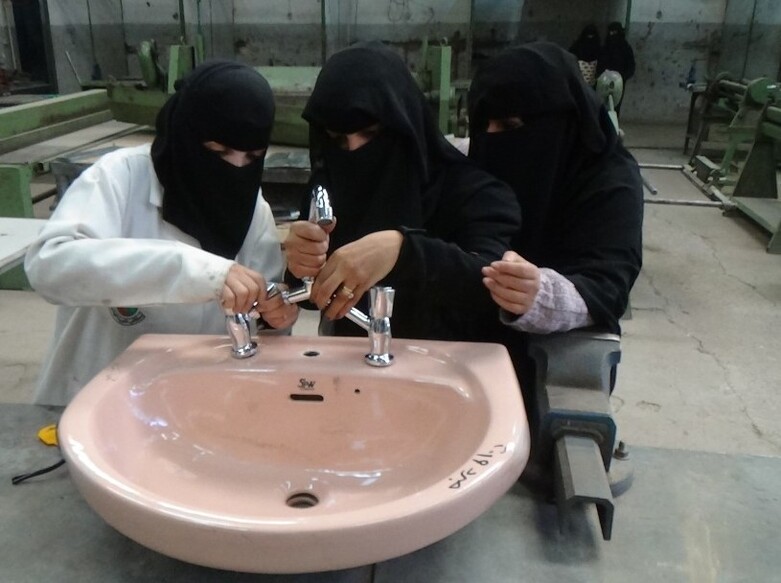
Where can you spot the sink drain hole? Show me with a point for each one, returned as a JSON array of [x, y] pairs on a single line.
[[302, 500]]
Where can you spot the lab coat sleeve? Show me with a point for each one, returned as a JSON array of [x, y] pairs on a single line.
[[88, 253]]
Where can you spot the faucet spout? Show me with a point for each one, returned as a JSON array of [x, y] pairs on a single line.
[[238, 326], [379, 326]]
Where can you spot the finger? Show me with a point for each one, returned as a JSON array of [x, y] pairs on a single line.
[[345, 298], [513, 308], [513, 282], [511, 296], [308, 231], [521, 268], [228, 300], [325, 284], [307, 260], [330, 227], [242, 294], [351, 303]]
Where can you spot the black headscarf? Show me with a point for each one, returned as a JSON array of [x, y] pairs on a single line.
[[617, 54], [586, 47], [579, 190], [203, 195], [455, 217], [385, 183]]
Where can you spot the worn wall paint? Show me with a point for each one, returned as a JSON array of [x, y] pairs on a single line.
[[668, 36], [751, 39], [5, 38]]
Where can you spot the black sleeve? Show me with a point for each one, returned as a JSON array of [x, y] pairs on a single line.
[[601, 240], [473, 223]]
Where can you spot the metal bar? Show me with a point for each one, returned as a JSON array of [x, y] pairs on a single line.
[[182, 25], [655, 166], [581, 479], [73, 68], [323, 34], [55, 130], [11, 37], [651, 188], [705, 203], [628, 17], [29, 116], [773, 114]]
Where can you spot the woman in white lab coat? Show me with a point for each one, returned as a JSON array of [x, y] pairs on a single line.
[[163, 239]]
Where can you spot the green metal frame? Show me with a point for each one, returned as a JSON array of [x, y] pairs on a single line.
[[25, 125], [737, 109], [756, 191], [30, 123]]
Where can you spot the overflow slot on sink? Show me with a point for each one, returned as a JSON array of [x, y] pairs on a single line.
[[306, 397], [311, 353], [302, 500]]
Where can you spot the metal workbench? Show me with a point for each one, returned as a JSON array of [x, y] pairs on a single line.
[[689, 516], [16, 235]]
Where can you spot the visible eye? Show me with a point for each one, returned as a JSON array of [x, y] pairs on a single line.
[[371, 132], [503, 124], [511, 123], [339, 139], [215, 147]]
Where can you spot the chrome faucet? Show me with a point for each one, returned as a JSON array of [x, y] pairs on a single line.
[[377, 324], [320, 213], [238, 326]]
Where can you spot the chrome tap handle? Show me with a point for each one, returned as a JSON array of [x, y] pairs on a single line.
[[320, 213], [238, 327], [320, 210], [380, 312], [381, 302]]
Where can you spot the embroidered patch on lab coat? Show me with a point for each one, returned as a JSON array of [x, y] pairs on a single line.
[[127, 316]]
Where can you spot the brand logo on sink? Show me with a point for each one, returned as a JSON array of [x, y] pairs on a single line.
[[306, 384]]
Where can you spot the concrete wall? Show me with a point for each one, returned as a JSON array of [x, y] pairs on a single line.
[[5, 38], [751, 39], [668, 36]]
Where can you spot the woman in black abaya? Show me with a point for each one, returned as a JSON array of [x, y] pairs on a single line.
[[412, 212], [586, 48], [537, 126]]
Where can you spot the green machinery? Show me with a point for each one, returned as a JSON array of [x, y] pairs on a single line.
[[728, 121], [31, 136], [139, 103], [748, 117], [756, 190], [610, 87]]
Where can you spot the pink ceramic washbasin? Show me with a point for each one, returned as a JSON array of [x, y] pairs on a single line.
[[301, 458]]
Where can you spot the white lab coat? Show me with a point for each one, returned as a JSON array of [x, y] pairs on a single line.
[[118, 270]]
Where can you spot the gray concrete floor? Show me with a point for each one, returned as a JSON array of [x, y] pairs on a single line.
[[701, 364]]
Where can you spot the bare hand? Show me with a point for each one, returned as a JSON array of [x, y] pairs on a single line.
[[276, 312], [242, 288], [513, 282], [306, 246], [353, 269]]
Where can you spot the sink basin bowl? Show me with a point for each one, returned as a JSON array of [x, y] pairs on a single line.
[[301, 458]]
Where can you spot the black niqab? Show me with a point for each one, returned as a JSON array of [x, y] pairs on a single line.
[[586, 47], [203, 195], [383, 184], [579, 190], [455, 217], [617, 54]]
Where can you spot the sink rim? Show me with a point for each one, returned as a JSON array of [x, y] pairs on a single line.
[[102, 480]]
